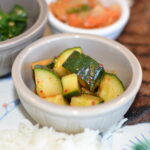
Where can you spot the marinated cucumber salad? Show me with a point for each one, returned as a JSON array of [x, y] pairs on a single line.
[[75, 79], [12, 23]]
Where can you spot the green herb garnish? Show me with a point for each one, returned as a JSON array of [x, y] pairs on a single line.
[[80, 9], [12, 23]]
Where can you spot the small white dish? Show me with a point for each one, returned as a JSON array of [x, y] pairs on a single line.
[[111, 32]]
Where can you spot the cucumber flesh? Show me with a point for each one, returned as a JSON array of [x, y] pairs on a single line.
[[44, 62], [85, 100], [58, 68], [47, 83], [57, 99], [70, 85], [110, 87]]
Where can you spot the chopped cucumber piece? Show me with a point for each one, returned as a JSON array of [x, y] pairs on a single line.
[[57, 99], [58, 68], [70, 85], [87, 69], [47, 83], [110, 87], [85, 100], [44, 62]]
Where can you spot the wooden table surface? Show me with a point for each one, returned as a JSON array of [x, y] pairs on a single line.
[[136, 37]]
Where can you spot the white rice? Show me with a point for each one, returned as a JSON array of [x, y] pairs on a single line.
[[29, 137]]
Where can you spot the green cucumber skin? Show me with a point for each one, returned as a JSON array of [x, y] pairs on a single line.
[[86, 68], [47, 67], [70, 49], [115, 76], [118, 83], [50, 65], [59, 60], [41, 67], [101, 102], [66, 51], [71, 94]]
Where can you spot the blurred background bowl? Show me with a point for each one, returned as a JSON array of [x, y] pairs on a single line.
[[111, 31], [37, 18], [73, 119]]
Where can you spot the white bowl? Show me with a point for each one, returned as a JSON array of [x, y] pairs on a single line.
[[111, 32], [73, 119]]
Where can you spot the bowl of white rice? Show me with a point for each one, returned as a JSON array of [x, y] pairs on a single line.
[[32, 137]]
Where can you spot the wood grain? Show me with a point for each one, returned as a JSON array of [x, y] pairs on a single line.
[[136, 37]]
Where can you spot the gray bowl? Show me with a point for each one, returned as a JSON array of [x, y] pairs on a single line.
[[37, 11]]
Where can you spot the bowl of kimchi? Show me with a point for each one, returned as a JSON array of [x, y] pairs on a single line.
[[98, 17]]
